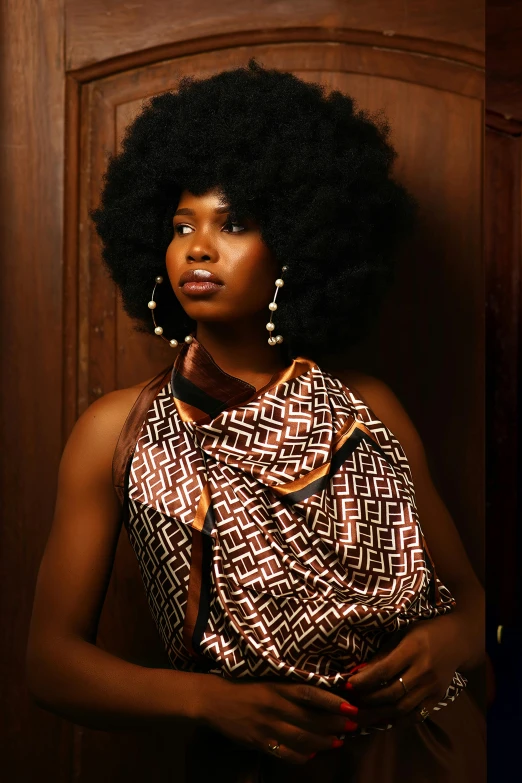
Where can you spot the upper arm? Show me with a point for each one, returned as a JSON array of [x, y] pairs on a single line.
[[444, 542], [78, 557]]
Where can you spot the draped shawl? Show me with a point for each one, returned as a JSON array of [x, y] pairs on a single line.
[[276, 530]]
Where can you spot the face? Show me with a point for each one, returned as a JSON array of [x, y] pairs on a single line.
[[219, 270]]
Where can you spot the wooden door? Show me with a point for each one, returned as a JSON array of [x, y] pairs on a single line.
[[98, 63], [430, 342]]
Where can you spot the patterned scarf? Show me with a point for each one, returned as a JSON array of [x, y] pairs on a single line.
[[276, 530]]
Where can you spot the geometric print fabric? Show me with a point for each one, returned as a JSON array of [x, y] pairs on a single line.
[[280, 537]]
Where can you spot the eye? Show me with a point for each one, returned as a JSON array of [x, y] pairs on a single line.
[[232, 224], [181, 226]]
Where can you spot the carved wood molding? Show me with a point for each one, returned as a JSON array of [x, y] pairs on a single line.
[[503, 123], [423, 47]]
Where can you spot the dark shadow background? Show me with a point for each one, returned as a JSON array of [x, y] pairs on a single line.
[[503, 183]]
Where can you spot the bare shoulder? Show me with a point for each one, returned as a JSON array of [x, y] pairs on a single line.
[[112, 409], [117, 404], [79, 554], [387, 407], [371, 390], [96, 432]]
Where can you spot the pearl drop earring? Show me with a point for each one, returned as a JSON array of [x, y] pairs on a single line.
[[159, 329], [277, 340]]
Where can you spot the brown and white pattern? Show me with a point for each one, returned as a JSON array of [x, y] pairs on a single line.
[[276, 531]]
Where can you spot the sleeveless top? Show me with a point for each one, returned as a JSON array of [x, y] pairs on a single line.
[[275, 530]]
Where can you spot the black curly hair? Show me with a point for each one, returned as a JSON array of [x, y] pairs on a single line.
[[311, 168]]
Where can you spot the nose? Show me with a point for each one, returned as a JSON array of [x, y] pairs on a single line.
[[200, 251]]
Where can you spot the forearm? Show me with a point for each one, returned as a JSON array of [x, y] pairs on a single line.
[[469, 617], [94, 688]]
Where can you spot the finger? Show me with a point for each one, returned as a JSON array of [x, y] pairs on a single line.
[[391, 713], [318, 720], [387, 668], [394, 691], [382, 697], [312, 697], [283, 752], [302, 741], [297, 745]]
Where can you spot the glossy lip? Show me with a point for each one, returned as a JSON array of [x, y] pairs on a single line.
[[200, 288], [199, 276]]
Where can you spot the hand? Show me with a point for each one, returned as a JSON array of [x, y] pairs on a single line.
[[426, 658], [302, 718]]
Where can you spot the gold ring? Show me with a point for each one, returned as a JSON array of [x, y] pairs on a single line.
[[273, 747], [406, 690], [424, 714]]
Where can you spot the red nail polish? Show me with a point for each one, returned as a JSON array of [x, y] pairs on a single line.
[[337, 743], [349, 686], [350, 725], [348, 709], [357, 668], [311, 755]]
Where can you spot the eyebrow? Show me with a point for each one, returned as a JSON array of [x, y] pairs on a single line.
[[187, 211]]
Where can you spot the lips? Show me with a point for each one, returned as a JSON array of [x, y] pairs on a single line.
[[199, 276]]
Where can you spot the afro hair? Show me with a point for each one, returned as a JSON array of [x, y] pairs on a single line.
[[311, 168]]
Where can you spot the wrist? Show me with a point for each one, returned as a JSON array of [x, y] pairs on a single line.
[[207, 694], [468, 639]]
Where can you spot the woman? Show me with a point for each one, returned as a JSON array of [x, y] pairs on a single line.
[[275, 508]]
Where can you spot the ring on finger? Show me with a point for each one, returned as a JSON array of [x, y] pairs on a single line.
[[406, 690], [273, 748]]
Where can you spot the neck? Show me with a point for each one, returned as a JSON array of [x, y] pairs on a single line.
[[242, 350]]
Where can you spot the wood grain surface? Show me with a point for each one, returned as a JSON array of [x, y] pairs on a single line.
[[31, 353], [73, 75], [504, 58], [102, 29]]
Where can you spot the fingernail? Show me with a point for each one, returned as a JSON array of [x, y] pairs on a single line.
[[357, 668], [311, 755], [337, 743], [350, 725], [349, 686], [348, 709]]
